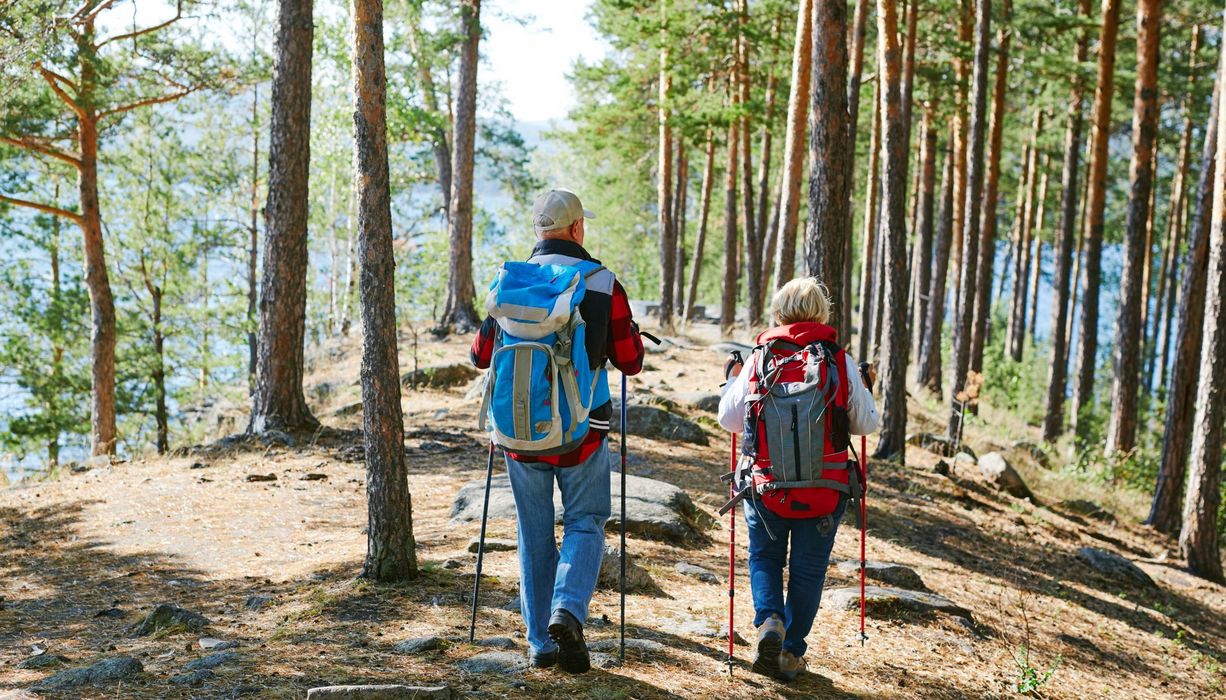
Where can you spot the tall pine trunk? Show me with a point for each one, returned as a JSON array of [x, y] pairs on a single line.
[[704, 211], [1198, 539], [1087, 342], [727, 308], [664, 186], [390, 549], [961, 76], [868, 257], [753, 237], [964, 316], [1016, 335], [894, 338], [766, 243], [679, 205], [458, 310], [253, 244], [829, 155], [278, 401], [929, 372], [921, 271], [1122, 427], [793, 144], [1165, 512], [987, 223], [1036, 277], [843, 300]]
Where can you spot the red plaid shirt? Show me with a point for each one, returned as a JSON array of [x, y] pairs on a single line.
[[625, 351]]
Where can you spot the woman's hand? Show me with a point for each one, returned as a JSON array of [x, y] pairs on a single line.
[[732, 368]]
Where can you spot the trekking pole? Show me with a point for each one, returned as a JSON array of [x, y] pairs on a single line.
[[485, 512], [622, 575], [732, 561], [863, 525]]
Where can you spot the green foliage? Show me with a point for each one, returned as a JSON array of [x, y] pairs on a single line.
[[1019, 387], [1031, 680]]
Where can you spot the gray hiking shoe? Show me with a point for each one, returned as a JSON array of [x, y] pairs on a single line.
[[770, 643], [790, 665]]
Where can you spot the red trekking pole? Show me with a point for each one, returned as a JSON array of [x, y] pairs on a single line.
[[863, 525], [732, 559]]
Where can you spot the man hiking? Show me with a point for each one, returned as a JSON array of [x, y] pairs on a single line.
[[553, 323], [796, 403]]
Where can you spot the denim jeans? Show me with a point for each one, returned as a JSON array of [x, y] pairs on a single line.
[[806, 569], [548, 579]]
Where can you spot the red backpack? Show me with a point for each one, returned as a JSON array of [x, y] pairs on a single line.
[[796, 457]]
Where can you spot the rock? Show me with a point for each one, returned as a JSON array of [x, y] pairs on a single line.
[[261, 477], [600, 660], [417, 645], [1115, 566], [1034, 452], [941, 467], [1089, 509], [381, 692], [728, 346], [43, 661], [453, 564], [1004, 477], [349, 409], [215, 644], [654, 509], [885, 572], [631, 643], [932, 442], [687, 569], [887, 602], [658, 424], [496, 642], [277, 437], [314, 477], [102, 672], [514, 605], [495, 662], [193, 677], [705, 402], [112, 613], [213, 660], [16, 694], [493, 545], [737, 639], [699, 628], [440, 376], [965, 460], [256, 602], [637, 578], [170, 617]]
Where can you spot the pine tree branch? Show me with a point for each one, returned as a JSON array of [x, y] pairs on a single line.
[[28, 144], [171, 97], [45, 208], [53, 79], [146, 30]]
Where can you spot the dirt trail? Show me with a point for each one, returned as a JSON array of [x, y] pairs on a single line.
[[194, 531]]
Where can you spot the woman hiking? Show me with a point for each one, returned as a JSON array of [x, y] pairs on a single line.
[[797, 402]]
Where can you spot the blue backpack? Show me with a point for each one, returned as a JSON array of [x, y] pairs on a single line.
[[540, 386]]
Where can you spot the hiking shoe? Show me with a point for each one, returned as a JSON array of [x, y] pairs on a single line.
[[790, 666], [543, 659], [770, 643], [566, 631]]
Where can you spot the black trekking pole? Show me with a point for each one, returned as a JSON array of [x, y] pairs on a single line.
[[622, 575], [485, 512]]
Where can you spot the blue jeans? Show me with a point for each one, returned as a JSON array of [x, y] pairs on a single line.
[[806, 569], [549, 580]]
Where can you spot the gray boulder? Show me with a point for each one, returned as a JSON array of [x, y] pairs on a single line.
[[1115, 566], [638, 580], [170, 617], [505, 662], [43, 661], [1001, 475], [493, 545], [646, 645], [728, 346], [104, 671], [885, 572], [213, 660], [693, 570], [702, 401], [417, 645], [440, 376], [658, 424], [496, 643], [654, 509], [193, 677], [888, 602], [1090, 509], [1037, 454], [381, 692]]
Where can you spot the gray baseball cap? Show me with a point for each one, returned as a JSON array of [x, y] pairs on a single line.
[[557, 209]]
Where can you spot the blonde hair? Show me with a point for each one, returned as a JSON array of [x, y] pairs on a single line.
[[802, 299]]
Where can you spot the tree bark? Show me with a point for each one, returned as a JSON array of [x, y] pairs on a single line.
[[727, 310], [829, 154], [868, 257], [793, 144], [1122, 426], [753, 237], [1016, 336], [704, 210], [964, 317], [987, 225], [253, 246], [1087, 343], [765, 238], [922, 269], [843, 300], [664, 186], [1165, 512], [679, 206], [160, 414], [1198, 540], [894, 338], [1037, 235], [390, 549], [966, 21], [458, 311], [929, 371], [278, 401]]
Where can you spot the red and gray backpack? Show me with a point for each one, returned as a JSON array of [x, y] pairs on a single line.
[[796, 451]]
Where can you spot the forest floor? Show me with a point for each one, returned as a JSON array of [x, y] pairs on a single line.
[[194, 531]]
